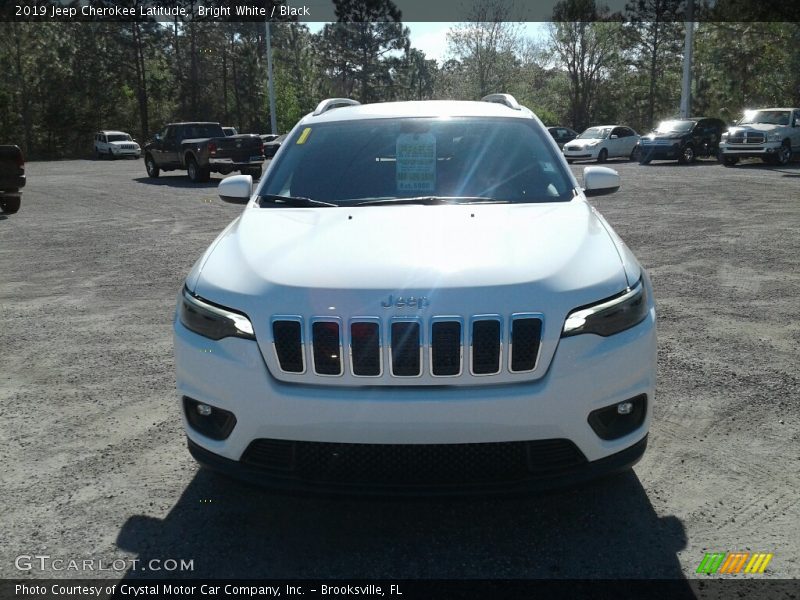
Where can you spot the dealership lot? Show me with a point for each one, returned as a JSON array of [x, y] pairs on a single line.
[[95, 460]]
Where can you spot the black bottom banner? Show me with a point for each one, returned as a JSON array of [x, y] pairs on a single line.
[[673, 589]]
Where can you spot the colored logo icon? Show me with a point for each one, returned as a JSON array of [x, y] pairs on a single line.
[[732, 563]]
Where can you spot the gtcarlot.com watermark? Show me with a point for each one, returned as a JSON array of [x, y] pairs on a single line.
[[47, 563]]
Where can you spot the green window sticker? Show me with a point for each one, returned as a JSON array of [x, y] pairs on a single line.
[[416, 162]]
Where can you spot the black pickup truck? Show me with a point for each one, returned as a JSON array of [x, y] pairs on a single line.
[[12, 178], [203, 148]]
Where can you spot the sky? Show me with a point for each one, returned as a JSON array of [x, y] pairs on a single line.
[[431, 38]]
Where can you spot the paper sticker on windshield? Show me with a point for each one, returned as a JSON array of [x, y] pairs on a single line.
[[304, 136], [416, 162]]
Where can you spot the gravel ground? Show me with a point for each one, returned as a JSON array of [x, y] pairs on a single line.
[[95, 464]]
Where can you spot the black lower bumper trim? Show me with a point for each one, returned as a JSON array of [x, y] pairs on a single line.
[[616, 463]]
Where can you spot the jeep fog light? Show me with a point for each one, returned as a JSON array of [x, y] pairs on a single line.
[[619, 419], [623, 408], [210, 421]]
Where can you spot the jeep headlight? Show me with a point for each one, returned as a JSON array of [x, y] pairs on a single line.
[[609, 316], [212, 321]]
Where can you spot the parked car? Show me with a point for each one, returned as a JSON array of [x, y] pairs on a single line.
[[682, 140], [603, 142], [268, 137], [319, 344], [202, 148], [771, 134], [114, 144], [562, 135], [229, 131], [272, 147], [12, 178]]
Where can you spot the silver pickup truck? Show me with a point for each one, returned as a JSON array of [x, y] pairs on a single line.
[[771, 134]]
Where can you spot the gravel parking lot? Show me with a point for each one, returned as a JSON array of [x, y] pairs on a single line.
[[95, 464]]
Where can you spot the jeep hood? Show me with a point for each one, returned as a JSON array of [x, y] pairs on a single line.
[[468, 250]]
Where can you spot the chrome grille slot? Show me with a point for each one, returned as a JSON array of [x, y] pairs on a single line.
[[486, 346], [446, 348], [406, 349], [526, 334], [365, 349], [327, 347], [288, 343]]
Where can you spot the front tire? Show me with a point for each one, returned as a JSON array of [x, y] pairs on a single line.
[[784, 155], [10, 205], [150, 165], [603, 156], [687, 156]]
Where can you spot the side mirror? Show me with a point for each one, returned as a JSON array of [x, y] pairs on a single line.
[[157, 137], [236, 189], [598, 181]]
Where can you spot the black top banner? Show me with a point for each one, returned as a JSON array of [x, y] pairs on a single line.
[[374, 10]]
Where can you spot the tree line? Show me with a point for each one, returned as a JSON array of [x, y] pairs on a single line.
[[61, 82]]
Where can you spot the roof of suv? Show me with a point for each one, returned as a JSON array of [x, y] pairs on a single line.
[[417, 108]]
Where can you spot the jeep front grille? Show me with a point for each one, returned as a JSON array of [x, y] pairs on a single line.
[[407, 347]]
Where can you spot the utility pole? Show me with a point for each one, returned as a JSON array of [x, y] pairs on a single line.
[[686, 89], [270, 85]]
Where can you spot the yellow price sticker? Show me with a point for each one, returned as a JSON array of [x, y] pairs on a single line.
[[304, 136]]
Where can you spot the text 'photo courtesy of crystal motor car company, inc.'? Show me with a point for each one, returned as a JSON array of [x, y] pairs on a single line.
[[515, 349]]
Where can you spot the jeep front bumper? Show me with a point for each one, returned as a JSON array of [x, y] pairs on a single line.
[[542, 420]]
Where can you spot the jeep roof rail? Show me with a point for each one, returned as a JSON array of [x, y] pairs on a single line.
[[506, 99], [331, 103]]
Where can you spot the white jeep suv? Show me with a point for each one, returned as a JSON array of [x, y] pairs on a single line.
[[113, 144], [417, 297], [771, 134]]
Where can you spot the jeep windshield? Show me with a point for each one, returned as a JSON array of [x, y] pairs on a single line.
[[766, 117], [119, 138], [674, 126], [377, 162]]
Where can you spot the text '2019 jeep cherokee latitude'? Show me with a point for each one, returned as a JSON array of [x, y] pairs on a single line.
[[417, 297]]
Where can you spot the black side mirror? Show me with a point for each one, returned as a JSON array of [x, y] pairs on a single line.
[[157, 137]]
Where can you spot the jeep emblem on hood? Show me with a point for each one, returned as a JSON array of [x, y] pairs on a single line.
[[406, 302]]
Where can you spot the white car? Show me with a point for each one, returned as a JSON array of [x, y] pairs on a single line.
[[417, 297], [603, 142], [771, 134], [113, 144]]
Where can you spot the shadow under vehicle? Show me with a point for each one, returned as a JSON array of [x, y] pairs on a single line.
[[605, 530]]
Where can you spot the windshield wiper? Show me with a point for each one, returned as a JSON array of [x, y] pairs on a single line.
[[430, 200], [294, 201]]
